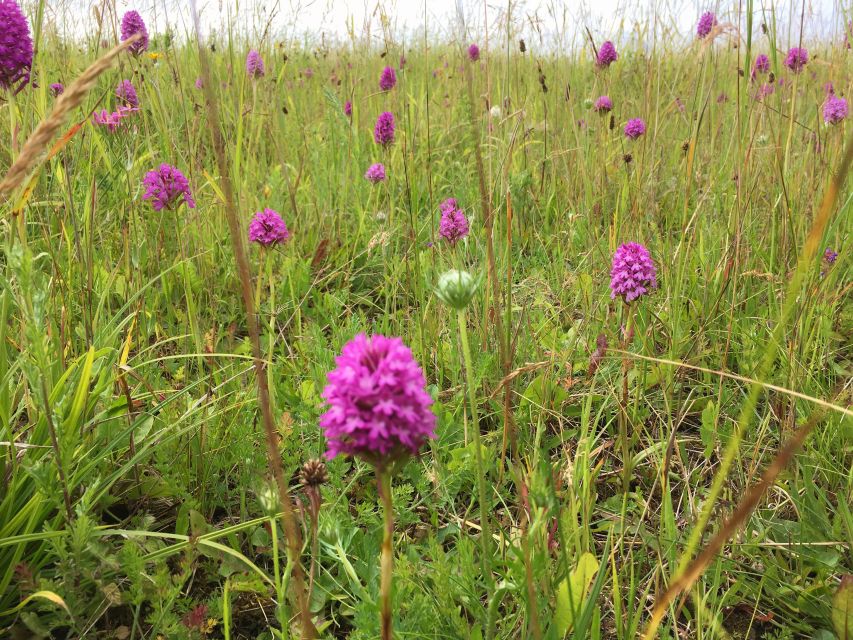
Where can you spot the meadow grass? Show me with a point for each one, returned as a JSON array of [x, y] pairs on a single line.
[[586, 450]]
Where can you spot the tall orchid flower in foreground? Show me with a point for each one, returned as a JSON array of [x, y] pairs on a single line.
[[255, 64], [453, 225], [380, 411], [635, 128], [131, 24], [707, 21], [16, 46], [383, 132], [267, 228], [632, 275], [606, 55], [388, 79]]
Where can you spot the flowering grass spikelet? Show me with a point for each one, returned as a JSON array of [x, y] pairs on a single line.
[[16, 46], [268, 228], [255, 64], [707, 21], [796, 59], [378, 406], [633, 272], [131, 24], [834, 109], [603, 105], [383, 132], [126, 93], [375, 173], [635, 128], [388, 79], [606, 55], [473, 53], [453, 225], [166, 187]]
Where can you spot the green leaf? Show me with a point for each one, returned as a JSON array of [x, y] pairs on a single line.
[[571, 592], [706, 430], [842, 609]]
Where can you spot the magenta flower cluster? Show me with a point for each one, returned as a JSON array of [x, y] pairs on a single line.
[[453, 225], [16, 46], [603, 105], [635, 128], [56, 89], [761, 65], [268, 228], [606, 55], [131, 24], [378, 406], [388, 79], [126, 93], [112, 120], [348, 109], [707, 21], [834, 109], [830, 256], [796, 59], [383, 132], [255, 64], [166, 187], [473, 53], [633, 272], [375, 173]]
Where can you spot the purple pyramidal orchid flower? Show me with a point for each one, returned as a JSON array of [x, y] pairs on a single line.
[[375, 173], [348, 108], [707, 21], [633, 272], [603, 105], [268, 228], [606, 55], [796, 59], [131, 24], [635, 128], [834, 109], [255, 64], [761, 65], [473, 53], [383, 132], [126, 93], [57, 89], [453, 225], [167, 188], [388, 79], [378, 406], [16, 47]]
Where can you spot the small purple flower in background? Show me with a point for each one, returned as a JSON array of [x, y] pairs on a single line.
[[722, 98], [348, 109], [402, 61], [454, 225], [473, 53], [112, 121], [126, 94], [603, 105], [830, 256], [16, 46], [132, 23], [761, 65], [633, 272], [308, 73], [199, 83], [379, 408], [267, 228], [383, 132], [375, 173], [796, 59], [255, 64], [847, 33], [707, 21], [166, 188], [635, 128], [679, 105], [834, 109], [829, 89], [56, 89], [606, 55], [388, 79], [765, 90]]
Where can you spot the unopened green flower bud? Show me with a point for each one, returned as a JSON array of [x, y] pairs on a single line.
[[457, 288]]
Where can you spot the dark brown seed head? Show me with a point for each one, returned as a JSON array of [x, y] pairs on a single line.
[[522, 46], [313, 473], [628, 158]]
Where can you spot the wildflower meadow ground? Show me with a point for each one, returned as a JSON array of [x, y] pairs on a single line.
[[418, 336]]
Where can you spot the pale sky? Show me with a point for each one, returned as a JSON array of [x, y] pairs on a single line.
[[546, 23]]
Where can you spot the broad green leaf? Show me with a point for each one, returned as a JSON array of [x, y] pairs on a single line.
[[571, 592]]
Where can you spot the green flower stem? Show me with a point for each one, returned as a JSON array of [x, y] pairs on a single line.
[[383, 480], [486, 535]]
